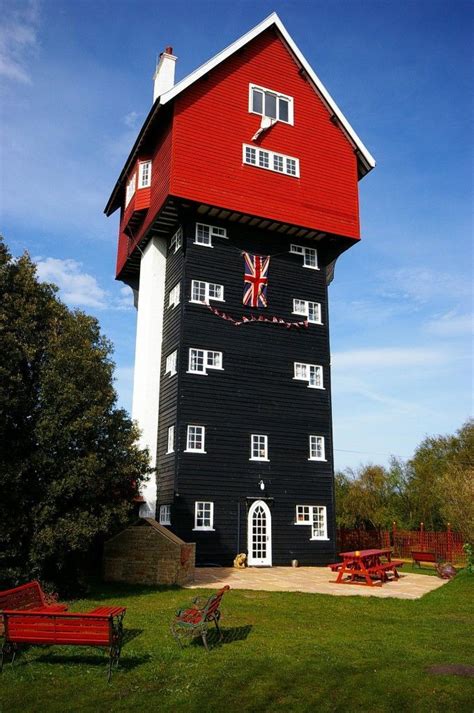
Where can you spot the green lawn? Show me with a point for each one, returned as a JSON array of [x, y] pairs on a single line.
[[281, 652]]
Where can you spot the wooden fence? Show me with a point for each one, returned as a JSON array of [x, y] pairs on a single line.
[[446, 545]]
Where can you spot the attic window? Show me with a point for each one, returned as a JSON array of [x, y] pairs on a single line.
[[131, 186], [269, 103], [144, 174]]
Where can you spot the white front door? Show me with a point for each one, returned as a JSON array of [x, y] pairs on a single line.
[[259, 537]]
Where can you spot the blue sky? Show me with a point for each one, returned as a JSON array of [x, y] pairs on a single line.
[[75, 79]]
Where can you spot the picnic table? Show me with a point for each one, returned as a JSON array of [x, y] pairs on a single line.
[[362, 566]]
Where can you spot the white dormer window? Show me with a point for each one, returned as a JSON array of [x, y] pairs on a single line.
[[205, 233], [310, 255], [173, 299], [176, 241], [200, 360], [316, 448], [310, 310], [312, 373], [267, 102], [171, 361], [131, 186], [144, 174]]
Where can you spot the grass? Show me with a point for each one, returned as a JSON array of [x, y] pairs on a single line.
[[281, 652]]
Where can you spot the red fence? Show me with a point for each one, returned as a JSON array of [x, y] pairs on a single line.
[[447, 545]]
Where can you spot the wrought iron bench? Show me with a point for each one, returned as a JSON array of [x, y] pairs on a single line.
[[28, 597], [101, 627], [195, 620]]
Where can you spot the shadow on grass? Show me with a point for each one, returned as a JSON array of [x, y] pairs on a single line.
[[127, 663], [229, 635]]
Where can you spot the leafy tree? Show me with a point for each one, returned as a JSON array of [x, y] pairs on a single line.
[[456, 485], [69, 463], [365, 498]]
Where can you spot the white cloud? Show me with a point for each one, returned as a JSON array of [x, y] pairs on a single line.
[[422, 284], [388, 357], [130, 119], [125, 300], [450, 324], [77, 288], [18, 40]]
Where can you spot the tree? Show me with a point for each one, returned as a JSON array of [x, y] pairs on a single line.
[[69, 461], [365, 498]]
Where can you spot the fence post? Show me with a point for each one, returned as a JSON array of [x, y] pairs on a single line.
[[422, 542], [394, 533]]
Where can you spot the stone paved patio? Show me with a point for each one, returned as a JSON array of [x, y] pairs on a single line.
[[314, 580]]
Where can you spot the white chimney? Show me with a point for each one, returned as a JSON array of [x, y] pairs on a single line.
[[163, 78]]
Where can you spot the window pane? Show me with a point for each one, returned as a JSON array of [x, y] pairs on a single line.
[[257, 101], [300, 307], [250, 155], [291, 166], [270, 105], [310, 257], [283, 113], [263, 159], [277, 163], [314, 312]]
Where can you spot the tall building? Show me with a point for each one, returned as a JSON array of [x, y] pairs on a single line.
[[239, 194]]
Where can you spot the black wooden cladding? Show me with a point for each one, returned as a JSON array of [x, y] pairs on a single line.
[[254, 393]]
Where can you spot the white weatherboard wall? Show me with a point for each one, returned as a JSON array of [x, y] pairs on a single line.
[[146, 378]]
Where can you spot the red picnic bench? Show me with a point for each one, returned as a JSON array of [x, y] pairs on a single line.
[[100, 627], [362, 566], [195, 620]]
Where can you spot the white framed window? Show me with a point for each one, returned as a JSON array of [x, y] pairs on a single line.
[[144, 174], [203, 292], [304, 515], [316, 517], [176, 241], [310, 255], [205, 233], [316, 448], [267, 102], [271, 161], [171, 361], [258, 447], [250, 155], [319, 526], [174, 295], [312, 373], [203, 515], [195, 439], [165, 514], [130, 190], [310, 310], [170, 448], [200, 360]]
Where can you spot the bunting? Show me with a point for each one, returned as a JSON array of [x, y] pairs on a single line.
[[247, 320]]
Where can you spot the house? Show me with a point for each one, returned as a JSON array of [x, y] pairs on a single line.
[[239, 194]]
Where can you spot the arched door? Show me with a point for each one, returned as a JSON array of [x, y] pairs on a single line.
[[259, 535]]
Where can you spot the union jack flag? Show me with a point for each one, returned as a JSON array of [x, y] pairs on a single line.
[[255, 280]]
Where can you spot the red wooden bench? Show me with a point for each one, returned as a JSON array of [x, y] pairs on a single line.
[[420, 556], [336, 566], [28, 597], [100, 627], [195, 620]]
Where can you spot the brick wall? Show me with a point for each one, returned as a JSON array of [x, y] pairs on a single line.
[[148, 553]]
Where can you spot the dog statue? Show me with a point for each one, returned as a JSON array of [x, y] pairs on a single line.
[[239, 561]]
